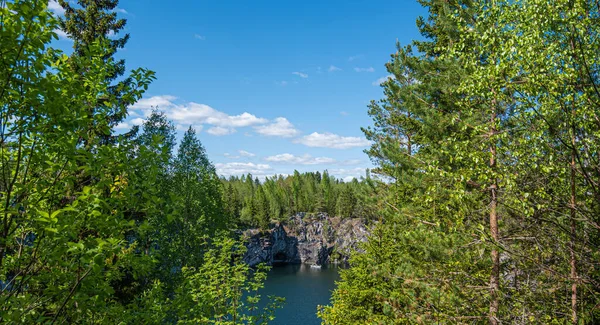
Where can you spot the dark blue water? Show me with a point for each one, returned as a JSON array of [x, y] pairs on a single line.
[[303, 288]]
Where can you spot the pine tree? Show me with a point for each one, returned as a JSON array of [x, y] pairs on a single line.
[[198, 191], [412, 257], [96, 21], [297, 197], [346, 202], [262, 209]]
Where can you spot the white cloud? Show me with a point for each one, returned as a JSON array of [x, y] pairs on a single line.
[[240, 168], [55, 7], [198, 114], [351, 162], [300, 74], [355, 57], [125, 125], [333, 68], [184, 127], [245, 153], [381, 80], [281, 83], [281, 127], [330, 140], [61, 34], [220, 122], [162, 102], [348, 179], [230, 156], [204, 114], [369, 69], [344, 113], [137, 121], [348, 174], [218, 131], [200, 37], [120, 10], [305, 159]]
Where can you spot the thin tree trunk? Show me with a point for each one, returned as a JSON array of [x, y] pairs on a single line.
[[573, 233], [408, 136], [572, 203], [495, 275]]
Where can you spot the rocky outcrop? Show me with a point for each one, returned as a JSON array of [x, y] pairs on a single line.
[[309, 239]]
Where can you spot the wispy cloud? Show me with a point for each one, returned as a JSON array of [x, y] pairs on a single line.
[[219, 131], [61, 34], [245, 153], [282, 83], [121, 11], [220, 123], [200, 37], [381, 80], [55, 7], [333, 68], [355, 57], [351, 162], [281, 127], [369, 69], [128, 125], [241, 168], [348, 174], [198, 114], [184, 127], [300, 74], [306, 159], [333, 141], [162, 102], [344, 113]]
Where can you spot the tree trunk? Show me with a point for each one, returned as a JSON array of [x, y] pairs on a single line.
[[408, 136], [495, 275], [573, 233], [572, 203]]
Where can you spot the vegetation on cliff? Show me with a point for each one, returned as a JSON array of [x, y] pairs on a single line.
[[254, 203]]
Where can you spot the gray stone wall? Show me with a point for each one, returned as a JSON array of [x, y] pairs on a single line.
[[309, 239]]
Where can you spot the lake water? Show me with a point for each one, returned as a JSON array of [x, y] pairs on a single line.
[[303, 288]]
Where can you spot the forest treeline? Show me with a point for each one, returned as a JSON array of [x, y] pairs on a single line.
[[490, 131], [98, 227], [255, 203]]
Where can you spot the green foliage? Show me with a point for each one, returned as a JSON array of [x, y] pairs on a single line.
[[222, 291], [255, 204], [486, 137], [85, 22], [97, 227], [346, 202]]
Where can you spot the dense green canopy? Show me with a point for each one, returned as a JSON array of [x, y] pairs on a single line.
[[489, 129], [97, 227]]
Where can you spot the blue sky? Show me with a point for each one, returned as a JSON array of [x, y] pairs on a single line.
[[271, 86]]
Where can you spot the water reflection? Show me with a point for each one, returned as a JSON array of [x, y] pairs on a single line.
[[304, 288]]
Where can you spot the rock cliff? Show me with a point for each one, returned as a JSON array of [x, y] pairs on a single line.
[[307, 239]]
